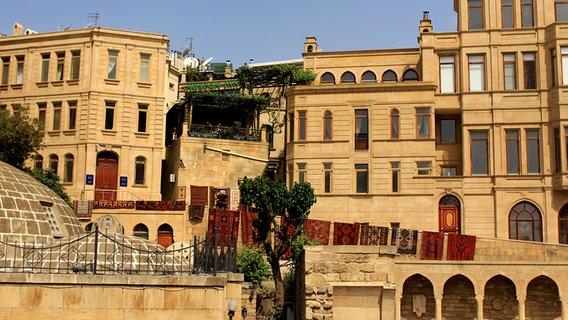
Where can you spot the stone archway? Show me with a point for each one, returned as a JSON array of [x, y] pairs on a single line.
[[543, 301], [459, 300], [418, 301], [500, 299]]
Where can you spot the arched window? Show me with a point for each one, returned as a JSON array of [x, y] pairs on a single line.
[[140, 230], [327, 125], [369, 77], [394, 124], [525, 222], [348, 77], [68, 168], [310, 48], [563, 225], [38, 162], [327, 78], [390, 76], [140, 170], [410, 75], [53, 162], [165, 235]]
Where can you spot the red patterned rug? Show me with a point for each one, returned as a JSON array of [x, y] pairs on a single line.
[[432, 245], [226, 223], [198, 195], [460, 247], [318, 230], [404, 240], [248, 229], [345, 233], [373, 235]]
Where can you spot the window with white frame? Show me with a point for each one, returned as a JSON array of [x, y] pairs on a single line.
[[476, 72], [447, 74]]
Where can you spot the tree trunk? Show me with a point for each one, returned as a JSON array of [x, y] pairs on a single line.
[[278, 285]]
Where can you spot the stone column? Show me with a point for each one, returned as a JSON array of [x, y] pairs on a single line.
[[439, 307], [397, 305], [521, 299], [479, 299]]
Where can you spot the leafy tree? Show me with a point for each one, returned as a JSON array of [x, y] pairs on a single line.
[[273, 201], [20, 137], [251, 263], [51, 180]]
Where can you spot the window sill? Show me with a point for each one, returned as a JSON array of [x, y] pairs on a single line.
[[113, 82], [54, 133], [139, 186], [142, 134], [57, 83], [107, 132], [17, 86], [69, 183], [3, 87], [145, 85], [73, 82], [69, 132], [42, 84]]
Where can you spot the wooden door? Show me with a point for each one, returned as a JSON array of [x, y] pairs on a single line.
[[449, 215], [106, 180], [165, 239]]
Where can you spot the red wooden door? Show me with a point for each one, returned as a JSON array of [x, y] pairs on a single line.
[[449, 219], [165, 239], [106, 179]]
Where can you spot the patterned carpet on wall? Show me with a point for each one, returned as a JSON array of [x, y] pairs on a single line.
[[373, 235], [318, 230], [196, 211], [460, 247], [432, 246], [198, 195], [345, 233], [248, 229], [404, 240], [226, 223]]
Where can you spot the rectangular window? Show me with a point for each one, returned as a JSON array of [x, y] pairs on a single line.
[[533, 151], [75, 64], [561, 10], [564, 54], [447, 130], [109, 115], [327, 125], [20, 70], [394, 124], [42, 108], [527, 15], [566, 140], [302, 125], [56, 116], [557, 161], [509, 66], [476, 73], [554, 67], [112, 64], [395, 176], [68, 169], [449, 171], [361, 129], [291, 119], [507, 13], [144, 67], [423, 168], [447, 74], [44, 77], [5, 69], [72, 114], [529, 70], [139, 178], [327, 173], [423, 123], [142, 117], [475, 10], [512, 152], [60, 65], [479, 154], [301, 172], [362, 178]]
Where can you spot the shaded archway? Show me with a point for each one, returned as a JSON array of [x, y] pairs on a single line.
[[418, 301], [459, 301], [500, 299], [140, 230], [106, 180], [543, 301], [165, 235], [449, 214]]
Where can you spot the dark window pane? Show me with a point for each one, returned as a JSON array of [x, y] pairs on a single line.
[[448, 130], [562, 12], [109, 118]]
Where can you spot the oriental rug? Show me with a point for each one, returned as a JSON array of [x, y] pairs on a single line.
[[432, 246], [226, 224], [317, 231], [345, 233], [460, 247], [373, 235], [198, 195], [404, 240]]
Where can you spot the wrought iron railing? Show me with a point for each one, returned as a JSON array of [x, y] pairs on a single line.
[[101, 253]]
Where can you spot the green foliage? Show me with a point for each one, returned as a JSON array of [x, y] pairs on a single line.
[[252, 263], [304, 76], [297, 247], [51, 180], [20, 137]]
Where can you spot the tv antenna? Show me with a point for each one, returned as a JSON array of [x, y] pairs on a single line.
[[95, 16]]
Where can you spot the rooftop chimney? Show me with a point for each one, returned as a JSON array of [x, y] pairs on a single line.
[[18, 29]]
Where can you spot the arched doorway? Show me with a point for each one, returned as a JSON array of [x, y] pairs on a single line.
[[543, 300], [458, 301], [140, 230], [449, 214], [500, 299], [418, 301], [165, 235], [106, 180]]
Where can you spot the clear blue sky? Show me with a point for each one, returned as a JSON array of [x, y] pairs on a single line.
[[265, 30]]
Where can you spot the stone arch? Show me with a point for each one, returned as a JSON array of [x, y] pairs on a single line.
[[418, 300], [543, 300], [165, 235], [500, 299], [459, 300]]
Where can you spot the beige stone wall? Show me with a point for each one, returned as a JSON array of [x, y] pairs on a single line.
[[42, 296]]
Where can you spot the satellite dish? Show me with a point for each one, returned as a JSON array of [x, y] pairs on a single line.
[[207, 61], [67, 27], [187, 50], [190, 62], [89, 25]]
